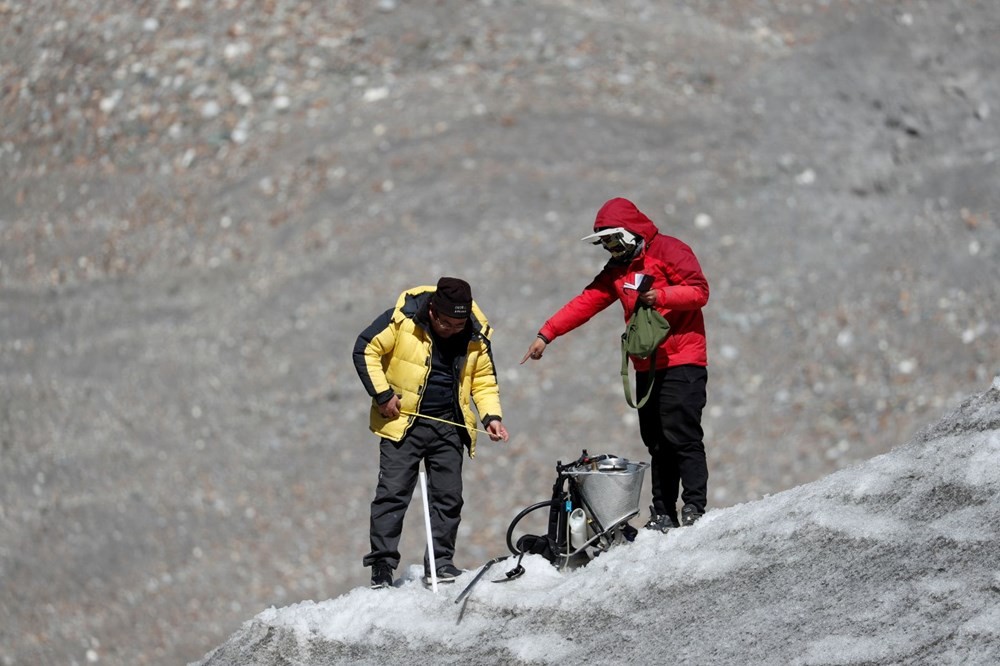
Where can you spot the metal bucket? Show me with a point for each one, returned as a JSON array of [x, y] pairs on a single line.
[[610, 492]]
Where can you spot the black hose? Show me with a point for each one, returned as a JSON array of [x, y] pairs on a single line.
[[518, 517]]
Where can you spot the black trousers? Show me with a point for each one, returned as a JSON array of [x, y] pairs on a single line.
[[439, 445], [670, 427]]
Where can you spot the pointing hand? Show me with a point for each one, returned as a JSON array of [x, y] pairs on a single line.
[[536, 350]]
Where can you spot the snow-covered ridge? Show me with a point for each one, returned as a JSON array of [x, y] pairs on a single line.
[[890, 561]]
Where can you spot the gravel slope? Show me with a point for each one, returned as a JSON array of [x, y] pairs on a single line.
[[203, 203]]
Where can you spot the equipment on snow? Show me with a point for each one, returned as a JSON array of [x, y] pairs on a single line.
[[593, 499], [427, 527], [482, 572]]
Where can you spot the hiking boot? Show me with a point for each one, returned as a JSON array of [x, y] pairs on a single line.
[[446, 573], [629, 533], [381, 575], [660, 523], [690, 515]]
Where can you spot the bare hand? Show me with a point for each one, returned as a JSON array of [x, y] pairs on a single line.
[[390, 408], [497, 431], [649, 297], [535, 351]]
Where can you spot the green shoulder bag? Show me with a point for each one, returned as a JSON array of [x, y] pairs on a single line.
[[645, 331]]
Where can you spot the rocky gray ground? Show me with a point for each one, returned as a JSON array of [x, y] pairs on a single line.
[[204, 202]]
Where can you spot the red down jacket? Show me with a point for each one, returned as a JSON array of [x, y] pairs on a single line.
[[682, 287]]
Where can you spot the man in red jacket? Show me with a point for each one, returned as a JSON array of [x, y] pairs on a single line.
[[670, 422]]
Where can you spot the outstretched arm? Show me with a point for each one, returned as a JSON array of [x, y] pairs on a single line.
[[595, 297]]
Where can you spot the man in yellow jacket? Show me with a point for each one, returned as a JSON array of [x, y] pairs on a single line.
[[423, 362]]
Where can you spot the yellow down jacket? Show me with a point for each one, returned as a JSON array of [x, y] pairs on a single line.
[[393, 355]]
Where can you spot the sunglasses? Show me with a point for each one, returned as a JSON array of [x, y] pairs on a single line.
[[446, 323], [613, 243]]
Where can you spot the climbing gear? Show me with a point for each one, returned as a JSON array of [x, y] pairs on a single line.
[[478, 576], [432, 578], [592, 500]]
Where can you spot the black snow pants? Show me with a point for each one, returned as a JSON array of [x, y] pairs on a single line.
[[440, 446], [670, 427]]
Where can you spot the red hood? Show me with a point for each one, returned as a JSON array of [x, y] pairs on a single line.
[[621, 212]]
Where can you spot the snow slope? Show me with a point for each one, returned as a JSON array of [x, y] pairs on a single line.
[[891, 561]]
